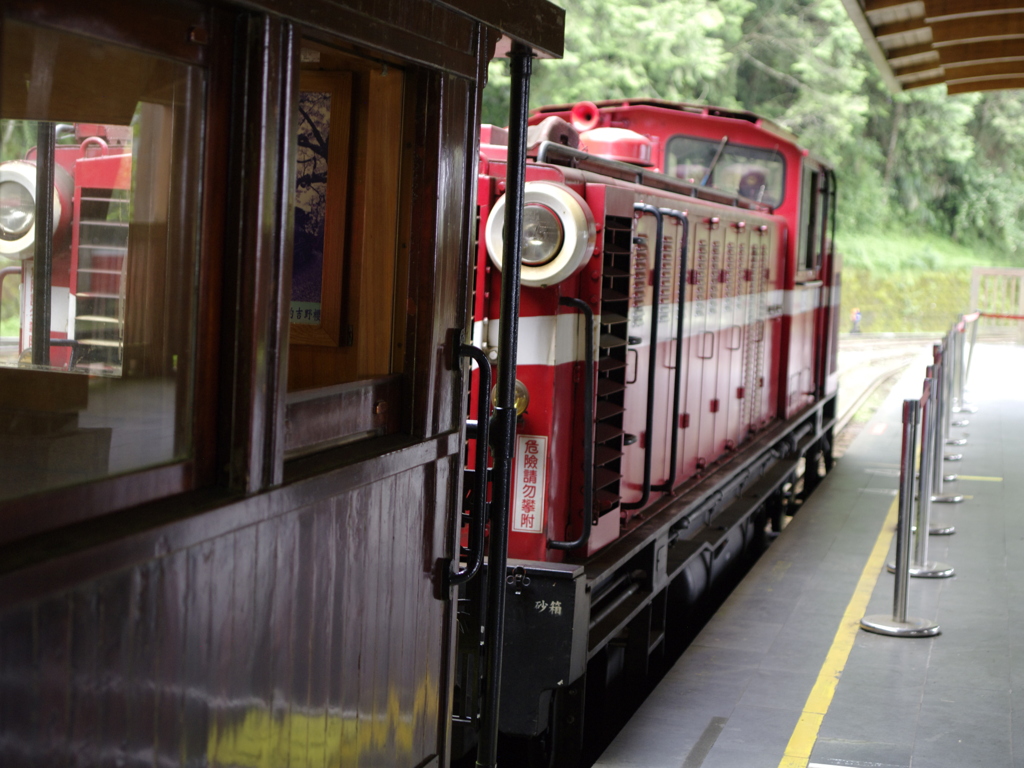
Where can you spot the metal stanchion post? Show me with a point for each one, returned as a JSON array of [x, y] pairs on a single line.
[[948, 390], [959, 375], [942, 386], [974, 339], [898, 625], [936, 450], [961, 406], [931, 436], [938, 355]]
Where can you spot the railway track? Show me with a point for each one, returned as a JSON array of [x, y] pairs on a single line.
[[868, 368]]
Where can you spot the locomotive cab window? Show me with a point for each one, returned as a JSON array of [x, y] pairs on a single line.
[[758, 174], [96, 310], [346, 328], [812, 212]]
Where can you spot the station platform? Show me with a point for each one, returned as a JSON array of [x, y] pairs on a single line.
[[783, 676]]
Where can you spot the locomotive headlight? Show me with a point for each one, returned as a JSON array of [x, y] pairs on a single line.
[[18, 207], [17, 211], [542, 235], [558, 233], [520, 398]]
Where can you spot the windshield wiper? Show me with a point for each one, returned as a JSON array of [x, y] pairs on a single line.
[[714, 161]]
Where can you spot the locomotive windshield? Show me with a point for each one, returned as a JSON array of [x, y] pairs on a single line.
[[752, 172]]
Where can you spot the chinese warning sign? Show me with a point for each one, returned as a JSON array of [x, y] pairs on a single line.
[[528, 500]]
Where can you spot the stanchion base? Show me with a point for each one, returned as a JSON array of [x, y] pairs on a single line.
[[887, 625], [926, 571], [957, 441], [962, 423], [954, 457], [950, 478], [942, 530], [947, 499]]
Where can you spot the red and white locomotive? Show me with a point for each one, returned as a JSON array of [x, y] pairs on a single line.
[[653, 449]]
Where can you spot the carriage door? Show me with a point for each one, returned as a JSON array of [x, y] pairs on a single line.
[[806, 296]]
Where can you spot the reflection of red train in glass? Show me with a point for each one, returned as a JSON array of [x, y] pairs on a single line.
[[91, 199], [653, 451]]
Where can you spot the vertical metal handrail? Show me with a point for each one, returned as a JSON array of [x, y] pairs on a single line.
[[652, 364], [684, 245], [503, 422], [588, 422], [478, 514], [42, 261]]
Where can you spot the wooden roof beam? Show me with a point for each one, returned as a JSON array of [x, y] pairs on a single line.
[[999, 27], [860, 21], [996, 50], [969, 86], [916, 69], [923, 83], [986, 71], [882, 5], [943, 10], [899, 28]]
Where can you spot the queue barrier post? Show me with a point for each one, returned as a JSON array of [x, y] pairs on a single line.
[[949, 396], [961, 406], [945, 363], [931, 439], [899, 625], [938, 356]]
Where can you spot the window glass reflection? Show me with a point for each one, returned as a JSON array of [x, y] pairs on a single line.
[[107, 388]]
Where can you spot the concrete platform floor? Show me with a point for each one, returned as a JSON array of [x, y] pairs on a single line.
[[782, 676]]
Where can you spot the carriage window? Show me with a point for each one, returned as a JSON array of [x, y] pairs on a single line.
[[759, 174], [96, 311], [345, 339]]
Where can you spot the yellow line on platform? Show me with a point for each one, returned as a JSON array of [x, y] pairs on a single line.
[[976, 477], [798, 751]]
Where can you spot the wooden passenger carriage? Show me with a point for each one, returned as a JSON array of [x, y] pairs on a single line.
[[224, 544]]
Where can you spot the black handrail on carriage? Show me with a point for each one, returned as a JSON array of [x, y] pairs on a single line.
[[684, 245], [588, 424], [503, 424], [42, 274], [652, 365], [478, 512]]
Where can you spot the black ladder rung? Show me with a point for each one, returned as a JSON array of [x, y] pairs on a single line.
[[606, 500], [606, 387], [607, 364], [605, 432], [606, 409], [605, 477], [604, 454]]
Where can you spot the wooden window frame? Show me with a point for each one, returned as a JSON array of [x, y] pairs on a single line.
[[27, 516], [322, 413]]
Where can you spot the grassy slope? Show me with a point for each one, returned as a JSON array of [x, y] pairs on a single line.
[[910, 282]]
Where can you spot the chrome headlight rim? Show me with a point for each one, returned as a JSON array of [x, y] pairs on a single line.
[[23, 173], [579, 233]]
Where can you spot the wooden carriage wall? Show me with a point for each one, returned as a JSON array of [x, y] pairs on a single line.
[[223, 521]]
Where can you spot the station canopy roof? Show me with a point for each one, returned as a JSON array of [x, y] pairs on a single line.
[[970, 45]]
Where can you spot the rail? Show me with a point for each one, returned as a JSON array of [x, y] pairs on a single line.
[[588, 422], [684, 242], [652, 359]]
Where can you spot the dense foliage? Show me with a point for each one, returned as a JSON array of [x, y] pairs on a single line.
[[917, 161]]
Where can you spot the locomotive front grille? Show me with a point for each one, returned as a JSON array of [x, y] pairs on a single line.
[[611, 363]]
